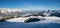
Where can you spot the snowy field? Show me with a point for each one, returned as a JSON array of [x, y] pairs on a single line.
[[50, 22], [47, 19]]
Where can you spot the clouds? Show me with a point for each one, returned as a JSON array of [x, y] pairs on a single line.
[[5, 10]]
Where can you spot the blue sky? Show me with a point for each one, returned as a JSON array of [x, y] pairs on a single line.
[[30, 4]]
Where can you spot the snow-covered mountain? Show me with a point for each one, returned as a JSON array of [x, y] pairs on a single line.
[[13, 13]]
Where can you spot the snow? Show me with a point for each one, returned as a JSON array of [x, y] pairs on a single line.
[[48, 19], [20, 19]]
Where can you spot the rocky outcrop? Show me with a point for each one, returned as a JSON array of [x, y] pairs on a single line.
[[32, 20]]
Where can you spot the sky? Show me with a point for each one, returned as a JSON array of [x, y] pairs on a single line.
[[30, 4]]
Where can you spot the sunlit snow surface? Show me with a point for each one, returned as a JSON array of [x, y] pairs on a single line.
[[50, 22], [48, 19]]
